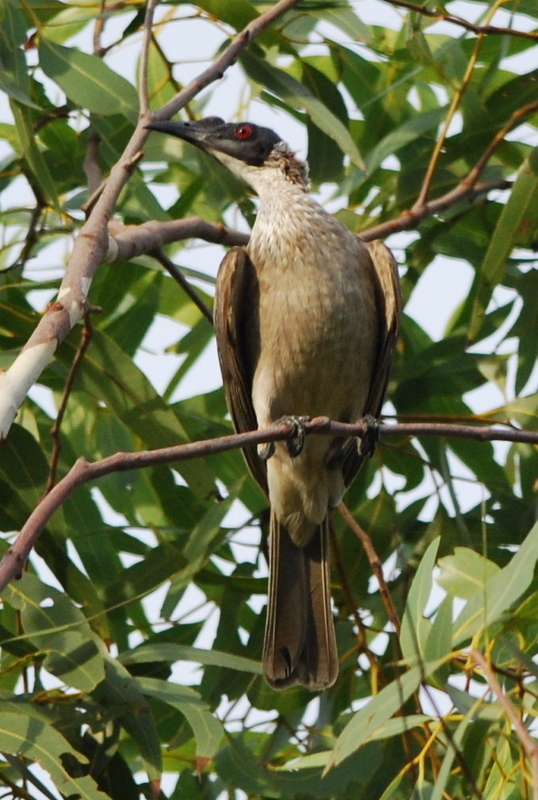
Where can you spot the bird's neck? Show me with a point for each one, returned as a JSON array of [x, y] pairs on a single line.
[[285, 212]]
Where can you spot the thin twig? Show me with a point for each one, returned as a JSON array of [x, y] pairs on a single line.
[[470, 26], [362, 641], [226, 58], [375, 563], [143, 94], [439, 144], [530, 745], [499, 137], [85, 340], [178, 276]]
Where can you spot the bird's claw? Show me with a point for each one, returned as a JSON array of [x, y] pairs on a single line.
[[266, 451], [370, 436], [295, 445]]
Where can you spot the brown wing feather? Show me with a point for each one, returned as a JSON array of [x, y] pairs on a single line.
[[384, 276], [235, 317]]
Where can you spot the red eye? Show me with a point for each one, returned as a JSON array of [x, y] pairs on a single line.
[[243, 131]]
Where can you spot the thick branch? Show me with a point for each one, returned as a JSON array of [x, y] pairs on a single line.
[[130, 241], [84, 471], [91, 246]]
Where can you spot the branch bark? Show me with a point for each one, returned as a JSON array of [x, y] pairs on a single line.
[[92, 245], [129, 241], [463, 23], [84, 471]]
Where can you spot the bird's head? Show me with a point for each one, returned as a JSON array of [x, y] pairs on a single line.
[[246, 149]]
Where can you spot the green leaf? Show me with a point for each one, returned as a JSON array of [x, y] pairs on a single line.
[[401, 136], [111, 377], [500, 591], [121, 694], [88, 81], [38, 741], [346, 19], [14, 78], [369, 721], [465, 573], [415, 627], [24, 465], [197, 549], [240, 767], [439, 642], [11, 88], [207, 730], [60, 630], [31, 152], [518, 215], [170, 653], [237, 13]]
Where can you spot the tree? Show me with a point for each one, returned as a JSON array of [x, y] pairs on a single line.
[[428, 128]]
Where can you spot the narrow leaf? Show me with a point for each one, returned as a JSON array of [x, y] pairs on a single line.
[[39, 741], [514, 217], [503, 589], [208, 730], [465, 572], [88, 81], [367, 722], [415, 628], [32, 154], [121, 690], [294, 93], [170, 653]]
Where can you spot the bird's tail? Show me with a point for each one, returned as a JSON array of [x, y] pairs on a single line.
[[300, 645]]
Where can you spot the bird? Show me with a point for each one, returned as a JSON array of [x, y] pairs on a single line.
[[306, 319]]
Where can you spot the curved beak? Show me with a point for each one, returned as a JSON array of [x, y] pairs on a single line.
[[200, 133]]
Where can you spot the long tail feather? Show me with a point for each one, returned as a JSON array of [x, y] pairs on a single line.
[[300, 645]]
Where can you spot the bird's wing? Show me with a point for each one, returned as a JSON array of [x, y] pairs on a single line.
[[235, 318], [384, 275]]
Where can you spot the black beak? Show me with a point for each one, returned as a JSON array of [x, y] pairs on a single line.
[[200, 133]]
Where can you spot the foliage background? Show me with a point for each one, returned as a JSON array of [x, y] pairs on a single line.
[[101, 637]]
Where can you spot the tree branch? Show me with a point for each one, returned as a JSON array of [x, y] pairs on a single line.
[[83, 471], [91, 246], [440, 143], [411, 218], [470, 26], [375, 563], [129, 241], [68, 388], [178, 276]]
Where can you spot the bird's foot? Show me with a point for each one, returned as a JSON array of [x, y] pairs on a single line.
[[370, 436], [295, 445], [265, 451]]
